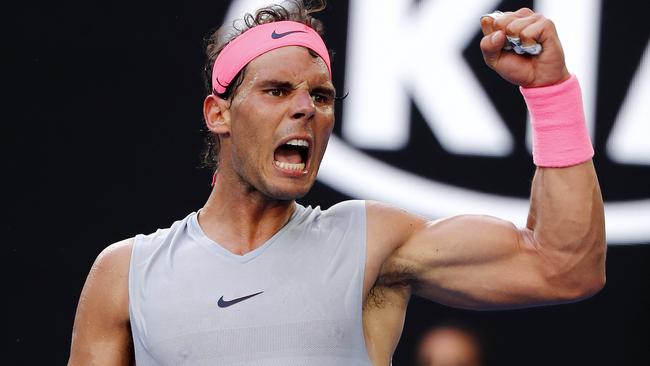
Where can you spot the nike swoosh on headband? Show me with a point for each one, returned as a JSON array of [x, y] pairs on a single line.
[[275, 35], [256, 41]]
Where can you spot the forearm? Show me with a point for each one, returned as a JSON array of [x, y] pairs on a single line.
[[566, 215]]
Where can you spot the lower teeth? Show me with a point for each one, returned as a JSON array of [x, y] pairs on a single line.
[[290, 166]]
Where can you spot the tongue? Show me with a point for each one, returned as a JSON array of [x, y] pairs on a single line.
[[288, 154]]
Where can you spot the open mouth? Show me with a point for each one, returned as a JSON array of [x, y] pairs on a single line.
[[293, 155]]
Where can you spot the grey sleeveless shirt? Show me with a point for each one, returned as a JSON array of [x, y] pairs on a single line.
[[296, 300]]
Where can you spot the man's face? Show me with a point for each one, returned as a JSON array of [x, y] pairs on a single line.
[[281, 118]]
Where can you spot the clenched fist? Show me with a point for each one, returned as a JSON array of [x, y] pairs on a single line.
[[547, 68]]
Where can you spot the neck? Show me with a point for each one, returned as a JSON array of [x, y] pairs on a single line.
[[240, 218]]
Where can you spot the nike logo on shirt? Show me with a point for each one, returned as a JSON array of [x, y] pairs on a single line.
[[225, 303], [280, 35]]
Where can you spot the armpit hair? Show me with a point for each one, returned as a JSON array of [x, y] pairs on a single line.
[[395, 277]]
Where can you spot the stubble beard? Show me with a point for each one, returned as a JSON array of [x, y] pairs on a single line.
[[253, 181]]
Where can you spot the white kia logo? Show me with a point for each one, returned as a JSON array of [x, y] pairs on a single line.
[[416, 57]]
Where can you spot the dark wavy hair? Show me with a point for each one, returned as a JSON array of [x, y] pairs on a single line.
[[294, 10]]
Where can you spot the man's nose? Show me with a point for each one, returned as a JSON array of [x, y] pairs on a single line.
[[303, 105]]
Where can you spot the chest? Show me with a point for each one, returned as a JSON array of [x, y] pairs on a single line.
[[198, 306]]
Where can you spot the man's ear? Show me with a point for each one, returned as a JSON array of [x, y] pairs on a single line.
[[216, 112]]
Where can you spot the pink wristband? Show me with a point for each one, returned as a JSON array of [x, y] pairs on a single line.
[[560, 136]]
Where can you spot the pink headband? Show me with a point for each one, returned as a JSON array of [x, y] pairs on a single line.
[[259, 40]]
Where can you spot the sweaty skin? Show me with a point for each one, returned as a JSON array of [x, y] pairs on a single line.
[[246, 88], [473, 262]]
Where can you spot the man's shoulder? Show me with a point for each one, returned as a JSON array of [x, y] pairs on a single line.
[[347, 207], [116, 257], [105, 294], [383, 215], [152, 239], [380, 216], [350, 211], [389, 227]]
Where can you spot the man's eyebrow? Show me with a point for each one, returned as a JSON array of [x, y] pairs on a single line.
[[329, 91], [276, 84]]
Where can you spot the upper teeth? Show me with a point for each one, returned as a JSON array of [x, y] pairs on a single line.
[[298, 142]]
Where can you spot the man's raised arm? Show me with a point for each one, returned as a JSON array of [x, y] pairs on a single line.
[[483, 262]]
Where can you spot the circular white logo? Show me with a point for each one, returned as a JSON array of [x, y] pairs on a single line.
[[408, 61]]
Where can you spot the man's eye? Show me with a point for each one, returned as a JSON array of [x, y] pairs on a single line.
[[276, 92], [321, 98]]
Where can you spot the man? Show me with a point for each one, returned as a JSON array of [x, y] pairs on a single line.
[[450, 345], [256, 279]]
